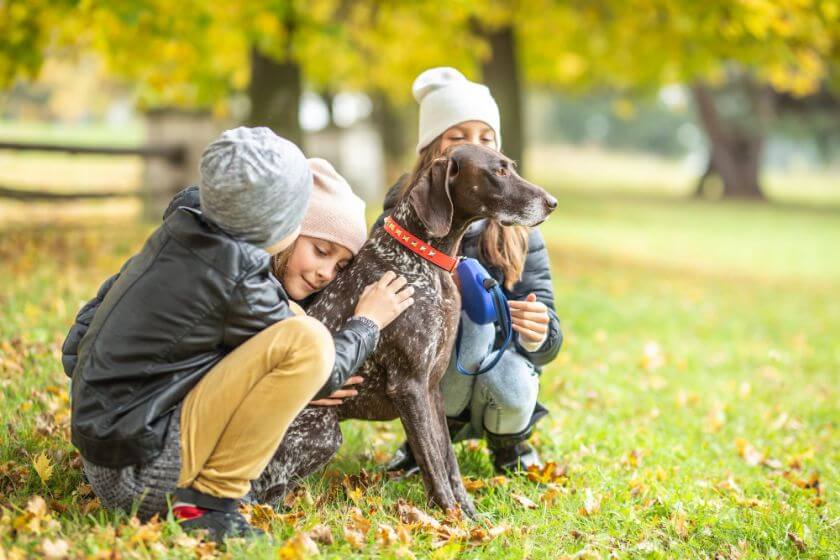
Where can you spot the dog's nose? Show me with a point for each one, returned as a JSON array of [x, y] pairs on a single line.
[[551, 203]]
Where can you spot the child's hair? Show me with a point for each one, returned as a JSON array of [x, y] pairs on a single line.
[[503, 247], [281, 260]]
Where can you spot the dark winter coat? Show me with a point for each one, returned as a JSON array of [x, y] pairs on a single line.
[[190, 296]]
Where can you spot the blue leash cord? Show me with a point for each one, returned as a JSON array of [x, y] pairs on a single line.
[[502, 316]]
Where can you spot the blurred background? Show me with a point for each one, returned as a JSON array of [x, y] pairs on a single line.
[[679, 100]]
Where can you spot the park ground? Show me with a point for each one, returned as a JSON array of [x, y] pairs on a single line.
[[694, 406]]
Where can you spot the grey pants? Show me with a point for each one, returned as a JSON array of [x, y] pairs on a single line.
[[148, 486], [502, 400]]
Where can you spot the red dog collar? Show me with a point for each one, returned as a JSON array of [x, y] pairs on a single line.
[[419, 247]]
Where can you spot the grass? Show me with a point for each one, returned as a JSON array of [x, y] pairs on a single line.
[[694, 405]]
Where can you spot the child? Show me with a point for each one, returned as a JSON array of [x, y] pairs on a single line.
[[190, 363], [500, 405]]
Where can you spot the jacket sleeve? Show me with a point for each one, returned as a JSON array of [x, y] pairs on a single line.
[[70, 348], [257, 302], [354, 342], [536, 278]]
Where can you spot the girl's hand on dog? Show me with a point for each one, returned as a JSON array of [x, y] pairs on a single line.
[[530, 318], [335, 399], [385, 299]]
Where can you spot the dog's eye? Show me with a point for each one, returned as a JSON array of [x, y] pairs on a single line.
[[502, 172]]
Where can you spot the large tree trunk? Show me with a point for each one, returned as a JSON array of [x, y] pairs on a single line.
[[501, 75], [393, 126], [734, 151], [275, 92]]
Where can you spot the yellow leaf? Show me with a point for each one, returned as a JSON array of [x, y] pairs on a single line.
[[55, 548], [43, 466], [298, 547]]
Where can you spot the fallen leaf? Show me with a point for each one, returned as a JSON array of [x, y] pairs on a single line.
[[523, 501], [750, 454], [591, 503], [55, 548], [297, 548], [550, 472], [473, 485], [410, 515], [797, 542], [322, 534], [386, 535], [43, 466], [354, 538], [680, 523]]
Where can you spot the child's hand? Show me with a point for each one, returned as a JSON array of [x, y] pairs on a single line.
[[385, 299], [530, 319], [336, 398]]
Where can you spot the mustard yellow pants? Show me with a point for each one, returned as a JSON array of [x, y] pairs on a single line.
[[235, 418]]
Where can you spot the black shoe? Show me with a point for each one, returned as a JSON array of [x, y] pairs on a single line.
[[403, 462], [220, 517], [512, 452], [221, 525]]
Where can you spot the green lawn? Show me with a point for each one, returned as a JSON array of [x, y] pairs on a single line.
[[694, 406]]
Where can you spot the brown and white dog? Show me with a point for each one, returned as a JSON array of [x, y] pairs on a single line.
[[402, 376]]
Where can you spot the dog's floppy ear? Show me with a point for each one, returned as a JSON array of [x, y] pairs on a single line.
[[430, 197]]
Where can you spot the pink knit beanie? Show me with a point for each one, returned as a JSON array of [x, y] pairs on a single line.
[[335, 213]]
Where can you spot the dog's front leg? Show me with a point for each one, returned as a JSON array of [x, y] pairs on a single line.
[[423, 432], [450, 460]]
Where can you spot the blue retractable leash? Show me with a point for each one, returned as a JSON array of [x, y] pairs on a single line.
[[484, 302]]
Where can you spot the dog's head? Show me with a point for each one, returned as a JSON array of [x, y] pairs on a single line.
[[471, 182]]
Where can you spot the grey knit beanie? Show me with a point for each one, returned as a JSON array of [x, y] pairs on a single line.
[[254, 185]]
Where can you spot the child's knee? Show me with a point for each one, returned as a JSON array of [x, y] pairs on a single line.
[[512, 385], [313, 345]]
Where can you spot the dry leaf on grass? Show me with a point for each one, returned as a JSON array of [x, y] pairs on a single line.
[[797, 542], [550, 472], [411, 515], [355, 538], [524, 501], [57, 548], [322, 534], [43, 466], [297, 548], [591, 503], [473, 485]]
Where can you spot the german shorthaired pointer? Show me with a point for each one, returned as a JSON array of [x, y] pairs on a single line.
[[402, 375]]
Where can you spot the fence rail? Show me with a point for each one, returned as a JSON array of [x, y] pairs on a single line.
[[173, 155]]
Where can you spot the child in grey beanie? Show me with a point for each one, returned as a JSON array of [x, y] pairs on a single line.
[[254, 185]]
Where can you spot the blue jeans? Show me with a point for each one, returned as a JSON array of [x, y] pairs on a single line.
[[502, 400]]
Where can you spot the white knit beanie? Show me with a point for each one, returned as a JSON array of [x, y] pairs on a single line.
[[448, 98], [335, 213]]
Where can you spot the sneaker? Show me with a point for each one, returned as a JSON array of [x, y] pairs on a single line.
[[403, 462], [219, 525], [220, 517]]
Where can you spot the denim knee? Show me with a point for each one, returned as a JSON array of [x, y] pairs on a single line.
[[513, 385]]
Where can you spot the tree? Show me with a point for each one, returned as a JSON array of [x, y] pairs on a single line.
[[720, 48]]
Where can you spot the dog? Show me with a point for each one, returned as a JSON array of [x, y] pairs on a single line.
[[403, 374]]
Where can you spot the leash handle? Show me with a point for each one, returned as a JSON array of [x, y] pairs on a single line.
[[505, 321]]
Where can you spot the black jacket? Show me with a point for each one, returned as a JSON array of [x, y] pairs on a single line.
[[536, 278], [191, 295]]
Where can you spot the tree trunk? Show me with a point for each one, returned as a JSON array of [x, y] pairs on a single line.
[[734, 153], [393, 126], [501, 75], [275, 92]]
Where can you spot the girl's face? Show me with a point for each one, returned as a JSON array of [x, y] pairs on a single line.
[[469, 132], [312, 265]]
